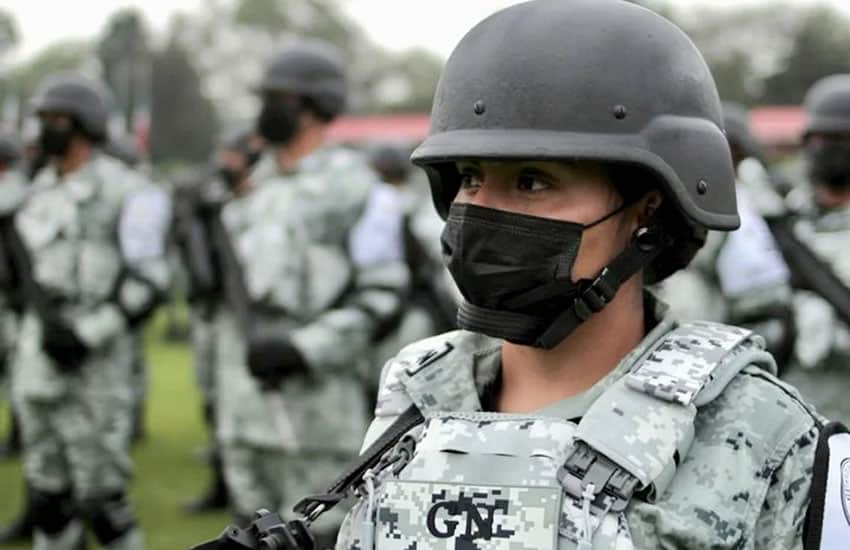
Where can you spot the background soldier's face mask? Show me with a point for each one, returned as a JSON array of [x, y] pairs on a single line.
[[231, 177], [55, 140], [513, 270], [278, 120], [829, 162]]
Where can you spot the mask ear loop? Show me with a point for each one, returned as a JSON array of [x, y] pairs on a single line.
[[626, 203], [532, 296], [646, 244]]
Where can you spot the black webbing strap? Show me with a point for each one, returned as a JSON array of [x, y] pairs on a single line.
[[314, 506], [808, 269], [644, 247]]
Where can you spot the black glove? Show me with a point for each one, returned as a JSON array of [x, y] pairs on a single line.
[[136, 318], [270, 360], [61, 343]]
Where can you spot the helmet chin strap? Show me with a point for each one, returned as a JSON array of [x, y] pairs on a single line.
[[646, 244]]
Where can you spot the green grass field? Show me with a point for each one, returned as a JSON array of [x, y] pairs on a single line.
[[167, 470]]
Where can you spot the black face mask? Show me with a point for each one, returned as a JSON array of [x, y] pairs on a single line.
[[54, 141], [252, 156], [829, 163], [514, 271], [230, 177], [278, 121]]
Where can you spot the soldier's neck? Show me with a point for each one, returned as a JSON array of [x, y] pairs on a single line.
[[303, 144], [534, 378], [78, 155]]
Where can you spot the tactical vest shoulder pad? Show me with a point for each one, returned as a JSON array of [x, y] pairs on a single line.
[[695, 362], [437, 374], [644, 423]]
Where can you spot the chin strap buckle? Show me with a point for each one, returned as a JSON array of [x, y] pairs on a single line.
[[586, 470], [596, 296]]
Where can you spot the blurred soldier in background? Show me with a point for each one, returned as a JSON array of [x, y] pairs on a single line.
[[741, 277], [822, 367], [197, 202], [13, 187], [13, 190], [295, 341], [124, 149], [88, 246], [393, 229]]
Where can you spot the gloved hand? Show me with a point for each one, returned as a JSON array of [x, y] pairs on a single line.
[[61, 343], [271, 359]]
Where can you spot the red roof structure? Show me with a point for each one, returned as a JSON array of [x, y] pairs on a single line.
[[404, 128], [775, 127], [778, 126]]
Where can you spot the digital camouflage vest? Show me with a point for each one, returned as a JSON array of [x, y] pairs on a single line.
[[668, 447]]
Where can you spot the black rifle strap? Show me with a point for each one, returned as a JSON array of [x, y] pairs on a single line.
[[809, 270], [23, 268], [408, 420], [235, 290]]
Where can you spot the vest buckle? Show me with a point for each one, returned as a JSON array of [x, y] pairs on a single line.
[[613, 486]]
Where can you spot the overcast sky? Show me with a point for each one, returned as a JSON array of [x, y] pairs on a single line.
[[397, 24]]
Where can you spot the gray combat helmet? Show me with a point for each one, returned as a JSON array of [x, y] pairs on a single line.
[[601, 80], [736, 119], [827, 106], [75, 95], [312, 69], [390, 162]]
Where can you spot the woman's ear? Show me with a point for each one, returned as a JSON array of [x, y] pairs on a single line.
[[647, 206]]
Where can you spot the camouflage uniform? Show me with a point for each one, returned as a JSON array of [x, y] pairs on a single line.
[[398, 225], [485, 480], [823, 226], [822, 355], [291, 236], [14, 191], [190, 198], [741, 277], [202, 334], [96, 242]]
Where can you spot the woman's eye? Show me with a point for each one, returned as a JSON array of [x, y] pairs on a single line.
[[529, 182], [469, 181]]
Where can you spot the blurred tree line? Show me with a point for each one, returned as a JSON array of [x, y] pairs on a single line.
[[197, 78], [765, 53]]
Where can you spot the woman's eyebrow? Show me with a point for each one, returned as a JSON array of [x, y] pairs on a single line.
[[536, 171]]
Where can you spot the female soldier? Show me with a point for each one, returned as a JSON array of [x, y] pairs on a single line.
[[577, 153]]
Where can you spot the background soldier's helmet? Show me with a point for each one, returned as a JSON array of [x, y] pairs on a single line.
[[312, 69], [827, 106], [85, 100], [736, 119], [601, 80], [10, 148], [390, 162], [124, 149]]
